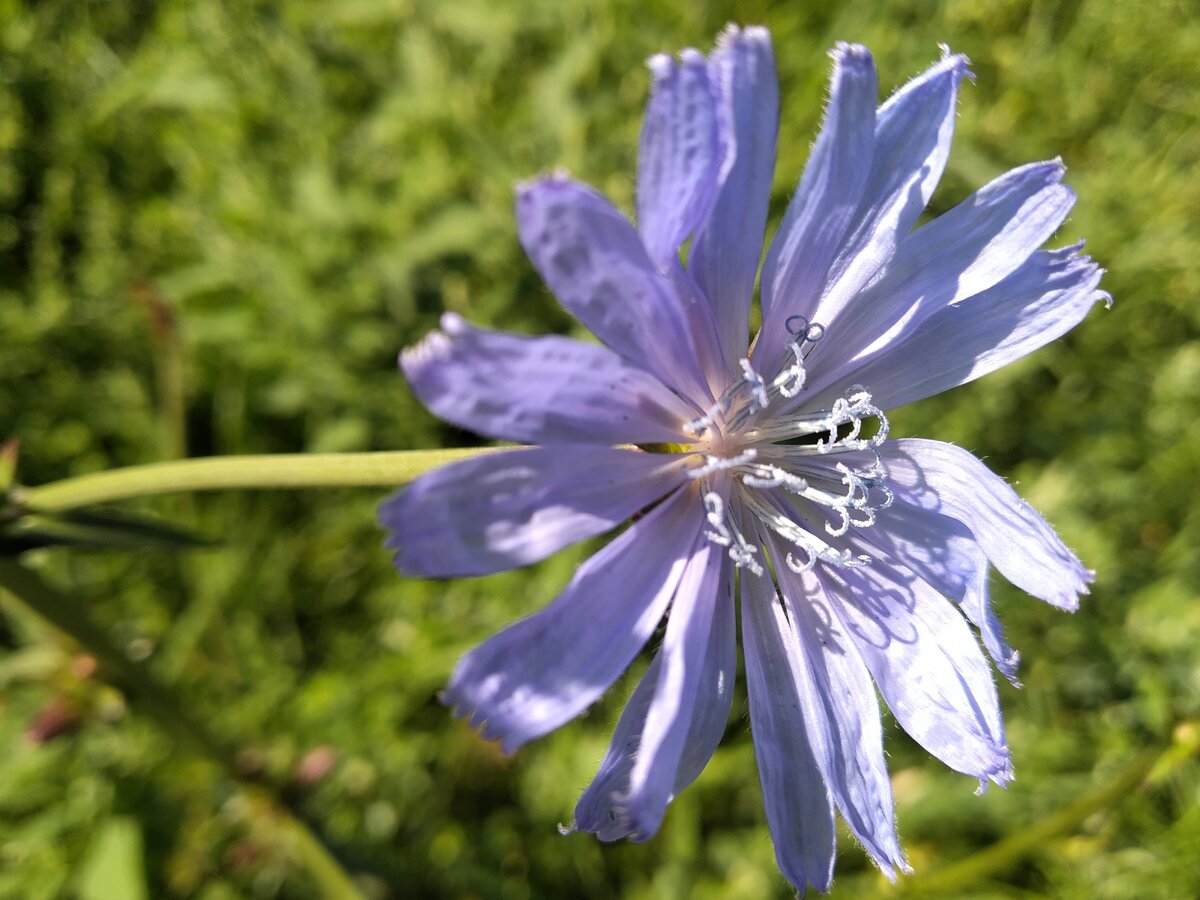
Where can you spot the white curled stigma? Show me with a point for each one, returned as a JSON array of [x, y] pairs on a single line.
[[698, 428], [813, 548], [790, 382], [742, 555], [766, 477], [852, 509], [758, 387], [801, 567], [714, 512], [725, 533], [850, 410], [720, 464]]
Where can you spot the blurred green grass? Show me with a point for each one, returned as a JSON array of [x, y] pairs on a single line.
[[219, 223]]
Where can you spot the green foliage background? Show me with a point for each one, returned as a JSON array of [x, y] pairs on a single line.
[[219, 222]]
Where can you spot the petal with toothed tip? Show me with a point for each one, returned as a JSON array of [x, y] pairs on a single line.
[[841, 714], [725, 253], [823, 208], [927, 664], [601, 808], [680, 156], [1018, 541], [545, 670], [912, 142], [799, 808], [676, 693], [1038, 303]]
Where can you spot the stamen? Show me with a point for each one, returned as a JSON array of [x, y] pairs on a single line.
[[699, 427], [714, 512], [720, 463], [853, 509], [742, 555], [727, 534], [746, 441], [800, 537], [850, 410], [764, 477], [757, 386], [790, 382]]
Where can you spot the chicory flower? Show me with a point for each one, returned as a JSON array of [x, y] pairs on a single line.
[[764, 477]]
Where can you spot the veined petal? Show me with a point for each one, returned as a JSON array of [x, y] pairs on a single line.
[[965, 251], [601, 809], [840, 712], [823, 208], [543, 671], [912, 141], [724, 255], [977, 607], [680, 157], [942, 552], [986, 237], [927, 664], [704, 327], [798, 805], [946, 479], [544, 390], [498, 511], [672, 708], [1039, 303], [593, 260]]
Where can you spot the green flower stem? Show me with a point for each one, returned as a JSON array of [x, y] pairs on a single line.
[[155, 698], [294, 470], [1150, 766]]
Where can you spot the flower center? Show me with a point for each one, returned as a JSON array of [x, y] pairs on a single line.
[[762, 459]]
